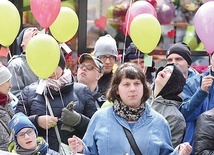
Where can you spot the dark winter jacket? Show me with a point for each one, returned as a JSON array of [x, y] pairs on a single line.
[[104, 82], [35, 106], [195, 102], [204, 134]]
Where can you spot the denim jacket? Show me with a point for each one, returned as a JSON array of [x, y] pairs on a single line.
[[105, 134]]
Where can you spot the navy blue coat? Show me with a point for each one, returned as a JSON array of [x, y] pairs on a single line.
[[33, 105]]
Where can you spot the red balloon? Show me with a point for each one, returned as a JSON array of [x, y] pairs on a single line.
[[138, 8], [153, 2], [45, 11]]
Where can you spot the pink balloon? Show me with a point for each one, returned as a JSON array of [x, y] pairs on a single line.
[[138, 8], [203, 22], [45, 11]]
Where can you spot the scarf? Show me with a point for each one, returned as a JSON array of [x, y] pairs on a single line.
[[128, 113], [62, 81], [3, 99]]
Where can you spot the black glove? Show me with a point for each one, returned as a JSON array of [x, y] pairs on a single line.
[[69, 116], [67, 127]]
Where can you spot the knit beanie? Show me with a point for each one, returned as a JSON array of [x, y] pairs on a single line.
[[174, 85], [181, 49], [105, 45], [18, 122], [132, 53], [5, 74], [61, 60]]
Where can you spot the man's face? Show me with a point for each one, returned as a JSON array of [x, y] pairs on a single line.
[[179, 61], [88, 76], [108, 62], [139, 62]]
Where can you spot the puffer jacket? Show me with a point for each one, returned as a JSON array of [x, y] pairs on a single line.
[[6, 114], [169, 110], [35, 106], [22, 75], [204, 134], [195, 102]]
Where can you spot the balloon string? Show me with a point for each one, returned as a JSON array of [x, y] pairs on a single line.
[[126, 32], [10, 55]]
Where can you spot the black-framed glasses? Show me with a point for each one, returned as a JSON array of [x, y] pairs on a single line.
[[21, 135], [88, 67], [104, 57]]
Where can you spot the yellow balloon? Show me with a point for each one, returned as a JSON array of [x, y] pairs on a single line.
[[42, 54], [65, 26], [10, 22], [68, 4], [145, 32]]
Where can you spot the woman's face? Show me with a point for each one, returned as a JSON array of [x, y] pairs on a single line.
[[5, 87], [57, 74], [26, 138], [130, 92]]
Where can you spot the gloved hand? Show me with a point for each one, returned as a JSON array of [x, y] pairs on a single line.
[[67, 127], [69, 116]]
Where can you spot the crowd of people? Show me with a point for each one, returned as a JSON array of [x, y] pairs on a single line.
[[135, 109]]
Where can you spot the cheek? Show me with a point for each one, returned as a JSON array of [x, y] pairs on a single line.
[[168, 76], [112, 63], [118, 90]]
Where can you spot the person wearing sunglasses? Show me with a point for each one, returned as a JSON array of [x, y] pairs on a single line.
[[106, 50], [90, 70], [26, 139]]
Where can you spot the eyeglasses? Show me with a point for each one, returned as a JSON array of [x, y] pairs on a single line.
[[22, 134], [104, 57], [88, 67]]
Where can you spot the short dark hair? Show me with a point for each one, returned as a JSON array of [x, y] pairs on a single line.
[[131, 71]]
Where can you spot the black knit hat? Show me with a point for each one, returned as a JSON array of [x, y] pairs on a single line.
[[174, 85], [132, 53], [62, 60], [181, 49]]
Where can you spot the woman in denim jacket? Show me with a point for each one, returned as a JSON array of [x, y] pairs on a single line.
[[105, 134]]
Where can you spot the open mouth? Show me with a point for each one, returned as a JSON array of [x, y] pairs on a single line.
[[29, 142], [162, 75]]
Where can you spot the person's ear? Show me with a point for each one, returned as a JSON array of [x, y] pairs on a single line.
[[99, 76]]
